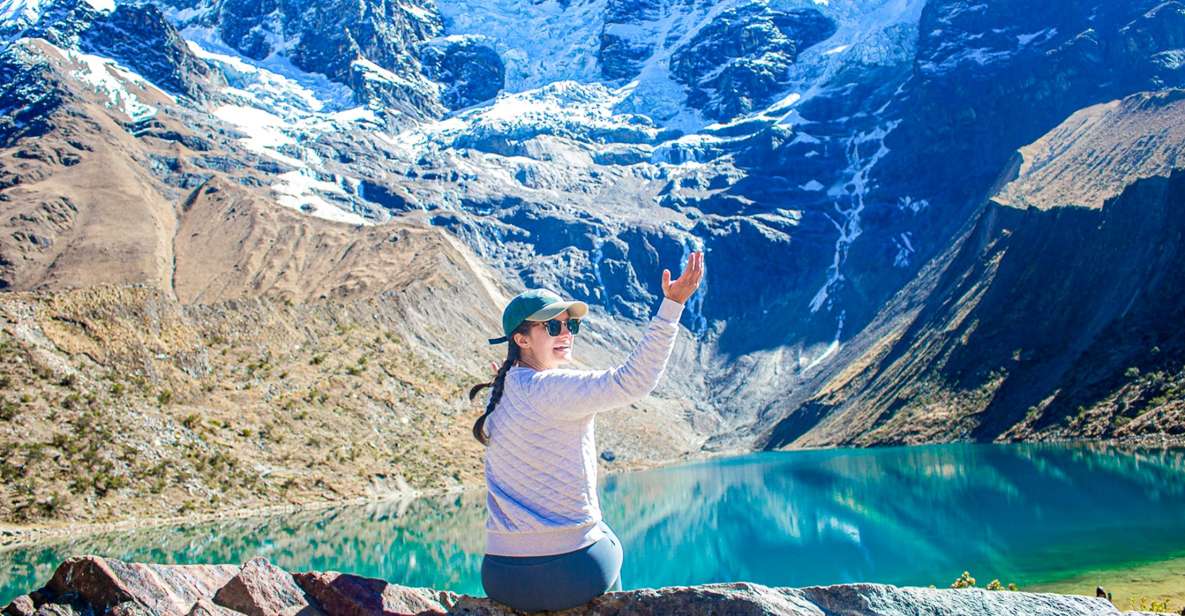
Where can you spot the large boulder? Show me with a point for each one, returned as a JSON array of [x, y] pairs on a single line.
[[165, 589], [263, 589], [342, 594]]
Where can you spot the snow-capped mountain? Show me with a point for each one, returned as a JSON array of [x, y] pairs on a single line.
[[822, 151]]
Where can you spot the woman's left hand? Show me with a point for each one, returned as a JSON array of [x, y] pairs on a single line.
[[683, 288]]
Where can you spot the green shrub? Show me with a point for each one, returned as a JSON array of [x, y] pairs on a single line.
[[1144, 604], [964, 581], [9, 409]]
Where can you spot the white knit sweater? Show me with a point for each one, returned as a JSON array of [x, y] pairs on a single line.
[[541, 463]]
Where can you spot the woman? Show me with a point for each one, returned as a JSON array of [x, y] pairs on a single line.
[[546, 545]]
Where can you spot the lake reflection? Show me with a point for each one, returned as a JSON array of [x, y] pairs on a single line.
[[918, 515]]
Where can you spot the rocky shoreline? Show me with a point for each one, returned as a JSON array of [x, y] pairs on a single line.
[[92, 585]]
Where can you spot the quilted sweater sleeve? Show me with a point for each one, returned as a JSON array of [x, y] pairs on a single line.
[[573, 394]]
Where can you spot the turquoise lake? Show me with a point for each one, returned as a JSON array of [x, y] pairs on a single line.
[[1027, 514]]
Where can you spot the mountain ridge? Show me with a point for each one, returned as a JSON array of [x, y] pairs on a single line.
[[834, 158]]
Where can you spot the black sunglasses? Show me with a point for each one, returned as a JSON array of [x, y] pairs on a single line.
[[555, 326]]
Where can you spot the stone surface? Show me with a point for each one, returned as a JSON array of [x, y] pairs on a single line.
[[131, 608], [743, 599], [21, 606], [882, 600], [342, 594], [206, 607], [58, 609], [734, 600], [163, 589], [263, 589]]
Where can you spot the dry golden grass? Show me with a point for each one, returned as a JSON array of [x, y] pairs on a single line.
[[121, 402]]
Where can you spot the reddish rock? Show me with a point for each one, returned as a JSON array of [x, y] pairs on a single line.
[[205, 607], [20, 606], [165, 590], [263, 589], [342, 594], [129, 608]]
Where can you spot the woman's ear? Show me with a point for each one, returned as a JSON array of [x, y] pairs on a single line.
[[521, 339]]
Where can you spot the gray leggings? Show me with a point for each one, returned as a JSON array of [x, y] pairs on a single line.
[[555, 582]]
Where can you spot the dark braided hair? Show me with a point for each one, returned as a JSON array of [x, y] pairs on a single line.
[[513, 352]]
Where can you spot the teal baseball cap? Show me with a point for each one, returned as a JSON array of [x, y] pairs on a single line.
[[536, 305]]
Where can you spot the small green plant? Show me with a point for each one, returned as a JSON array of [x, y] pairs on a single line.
[[1144, 604], [9, 409], [117, 389], [964, 581], [317, 359], [1132, 372], [164, 397], [191, 420]]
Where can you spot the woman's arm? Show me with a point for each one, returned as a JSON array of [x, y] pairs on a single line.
[[573, 394]]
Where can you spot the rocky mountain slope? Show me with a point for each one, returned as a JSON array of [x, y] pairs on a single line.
[[90, 584], [175, 342], [834, 158], [1054, 315]]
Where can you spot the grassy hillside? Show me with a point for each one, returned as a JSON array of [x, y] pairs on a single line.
[[120, 402]]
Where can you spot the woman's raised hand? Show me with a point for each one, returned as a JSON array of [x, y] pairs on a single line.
[[683, 288]]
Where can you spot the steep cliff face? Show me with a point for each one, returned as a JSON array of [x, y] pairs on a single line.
[[1055, 315]]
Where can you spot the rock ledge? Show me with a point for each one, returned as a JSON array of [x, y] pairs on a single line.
[[96, 586]]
